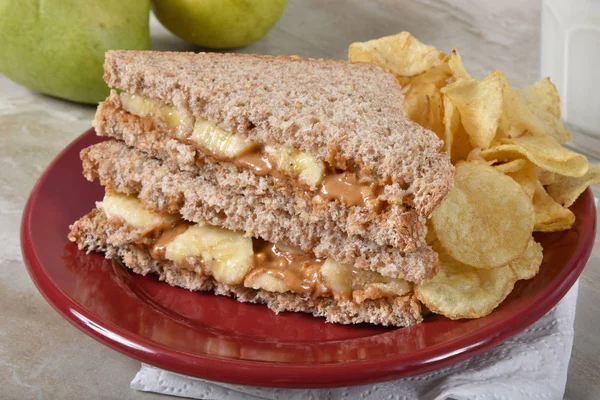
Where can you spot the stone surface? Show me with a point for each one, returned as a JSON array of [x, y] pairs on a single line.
[[43, 356]]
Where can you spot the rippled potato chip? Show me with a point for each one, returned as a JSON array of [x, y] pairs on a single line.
[[549, 215], [479, 103], [544, 102], [542, 95], [461, 147], [402, 54], [474, 155], [554, 127], [457, 68], [527, 265], [548, 178], [430, 236], [543, 151], [511, 166], [460, 291], [565, 190], [531, 110], [527, 177], [436, 75], [451, 123], [424, 105], [486, 220], [517, 118]]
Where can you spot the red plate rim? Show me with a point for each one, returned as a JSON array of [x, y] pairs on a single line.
[[274, 374]]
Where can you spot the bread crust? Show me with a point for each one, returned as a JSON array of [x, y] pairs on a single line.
[[94, 232], [348, 114], [249, 204]]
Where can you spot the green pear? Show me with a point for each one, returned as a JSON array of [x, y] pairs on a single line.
[[57, 46], [219, 24]]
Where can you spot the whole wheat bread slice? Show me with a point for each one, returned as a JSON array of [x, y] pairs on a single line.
[[248, 203], [94, 232], [349, 115]]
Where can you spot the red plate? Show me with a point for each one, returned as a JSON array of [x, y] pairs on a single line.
[[217, 338]]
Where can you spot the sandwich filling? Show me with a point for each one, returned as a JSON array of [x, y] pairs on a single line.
[[280, 162], [231, 258]]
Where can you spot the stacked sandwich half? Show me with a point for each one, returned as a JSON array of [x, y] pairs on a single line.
[[295, 183]]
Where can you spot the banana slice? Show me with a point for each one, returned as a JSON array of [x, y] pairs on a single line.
[[363, 280], [219, 142], [338, 276], [227, 254], [344, 279], [143, 106], [131, 210], [307, 168], [266, 282]]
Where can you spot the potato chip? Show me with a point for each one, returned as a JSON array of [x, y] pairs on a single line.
[[527, 265], [511, 166], [436, 75], [544, 103], [475, 155], [547, 178], [542, 95], [480, 106], [460, 291], [565, 190], [451, 122], [549, 215], [404, 83], [461, 146], [553, 126], [544, 147], [529, 111], [527, 178], [402, 54], [517, 119], [430, 236], [486, 220], [543, 151], [450, 68], [423, 104], [456, 66]]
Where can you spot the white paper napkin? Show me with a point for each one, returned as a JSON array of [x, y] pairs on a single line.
[[533, 364]]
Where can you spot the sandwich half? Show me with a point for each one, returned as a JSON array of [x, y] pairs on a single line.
[[296, 183], [313, 153], [199, 256]]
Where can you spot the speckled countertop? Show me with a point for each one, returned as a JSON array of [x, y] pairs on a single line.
[[43, 356]]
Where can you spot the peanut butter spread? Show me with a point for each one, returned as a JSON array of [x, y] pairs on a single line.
[[256, 161], [158, 249], [299, 271], [342, 186], [231, 258]]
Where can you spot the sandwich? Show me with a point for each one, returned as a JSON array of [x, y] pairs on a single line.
[[296, 183]]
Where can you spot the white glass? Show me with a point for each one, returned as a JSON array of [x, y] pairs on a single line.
[[570, 55]]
